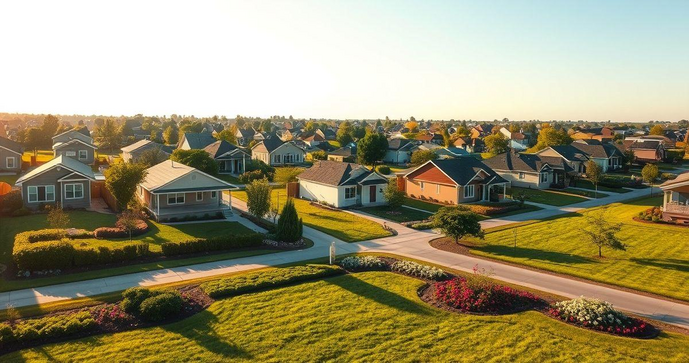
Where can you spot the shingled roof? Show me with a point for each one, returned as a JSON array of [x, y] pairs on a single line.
[[197, 141], [514, 161], [463, 169], [596, 148], [333, 173], [11, 145], [219, 148]]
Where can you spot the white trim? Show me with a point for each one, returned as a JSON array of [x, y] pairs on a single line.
[[474, 177], [86, 152], [471, 188], [197, 196], [20, 180], [28, 193], [183, 175], [73, 140], [10, 150], [345, 191], [184, 198], [74, 191], [14, 162], [434, 164]]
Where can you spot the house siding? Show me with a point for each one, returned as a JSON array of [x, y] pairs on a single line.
[[75, 147], [397, 156], [530, 180], [50, 178], [319, 192], [4, 154], [442, 193], [280, 153]]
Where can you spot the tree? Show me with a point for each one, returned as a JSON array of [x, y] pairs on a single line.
[[594, 174], [344, 133], [319, 155], [290, 226], [650, 173], [258, 197], [57, 218], [657, 130], [419, 157], [602, 232], [287, 175], [108, 136], [359, 132], [121, 179], [171, 135], [496, 143], [128, 220], [413, 126], [457, 222], [227, 135], [371, 148], [393, 195], [152, 156], [50, 126], [628, 158], [196, 158], [549, 136], [33, 139]]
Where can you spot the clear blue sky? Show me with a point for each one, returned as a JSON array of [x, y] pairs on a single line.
[[594, 60]]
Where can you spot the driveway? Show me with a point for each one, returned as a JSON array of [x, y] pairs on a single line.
[[408, 242]]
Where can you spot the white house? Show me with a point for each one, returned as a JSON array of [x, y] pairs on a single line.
[[275, 152], [342, 184], [399, 151]]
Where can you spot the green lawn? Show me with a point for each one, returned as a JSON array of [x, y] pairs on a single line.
[[415, 203], [9, 179], [157, 234], [229, 178], [547, 196], [584, 193], [588, 185], [371, 316], [342, 225], [398, 215], [41, 156], [656, 259]]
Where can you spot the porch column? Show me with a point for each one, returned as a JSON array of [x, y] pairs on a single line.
[[504, 191], [158, 204]]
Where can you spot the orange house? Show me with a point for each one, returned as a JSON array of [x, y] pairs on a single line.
[[455, 181]]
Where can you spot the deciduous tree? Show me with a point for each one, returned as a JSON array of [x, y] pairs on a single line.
[[650, 173], [371, 148], [198, 159], [594, 174], [496, 143], [419, 157], [393, 195], [121, 179], [258, 197], [171, 135], [457, 222], [602, 232]]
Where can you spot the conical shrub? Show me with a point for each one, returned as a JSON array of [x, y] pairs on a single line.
[[289, 225]]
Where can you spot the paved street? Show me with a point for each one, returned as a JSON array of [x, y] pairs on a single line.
[[408, 242]]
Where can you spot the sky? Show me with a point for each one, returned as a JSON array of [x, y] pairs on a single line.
[[480, 60]]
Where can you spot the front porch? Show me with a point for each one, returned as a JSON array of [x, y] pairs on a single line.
[[676, 206], [216, 207], [493, 192], [234, 166]]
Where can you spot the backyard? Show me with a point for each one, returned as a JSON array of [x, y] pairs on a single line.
[[157, 234], [342, 225], [656, 259], [371, 316]]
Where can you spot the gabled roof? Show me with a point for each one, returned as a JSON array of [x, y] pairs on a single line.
[[333, 173], [463, 170], [569, 152], [10, 145], [161, 175], [514, 161], [61, 161], [246, 133], [397, 144], [269, 145], [197, 141], [219, 148], [75, 134], [58, 145], [680, 180], [596, 148], [135, 146], [345, 151], [645, 144]]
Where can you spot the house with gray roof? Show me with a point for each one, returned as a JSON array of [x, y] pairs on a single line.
[[574, 157], [342, 185], [76, 145], [172, 191], [10, 155], [276, 152], [230, 158], [606, 155], [195, 141], [131, 153], [531, 170], [399, 151], [62, 180]]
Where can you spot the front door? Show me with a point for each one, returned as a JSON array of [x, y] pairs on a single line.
[[372, 193]]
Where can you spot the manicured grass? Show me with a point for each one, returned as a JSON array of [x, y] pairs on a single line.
[[397, 215], [342, 225], [229, 178], [371, 316], [583, 193], [394, 168], [656, 259], [547, 196], [9, 179], [588, 185], [42, 156], [415, 203]]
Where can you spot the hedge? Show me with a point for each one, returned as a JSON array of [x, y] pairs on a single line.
[[153, 305], [47, 327], [44, 250], [117, 232], [265, 279], [199, 245]]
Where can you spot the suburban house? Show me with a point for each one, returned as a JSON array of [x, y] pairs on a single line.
[[517, 140], [471, 145], [455, 181], [276, 152], [76, 145], [432, 138], [61, 180], [344, 154], [231, 159], [342, 185], [575, 158], [244, 136], [10, 155], [531, 170], [676, 199], [132, 152], [194, 141], [646, 150], [399, 151], [174, 190], [606, 155], [450, 152], [481, 131], [314, 139], [600, 134]]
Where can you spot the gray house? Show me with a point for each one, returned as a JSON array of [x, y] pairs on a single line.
[[231, 159], [10, 155], [63, 181], [132, 152], [75, 145], [192, 141]]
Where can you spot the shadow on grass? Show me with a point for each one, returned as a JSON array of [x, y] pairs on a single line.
[[664, 263], [199, 329], [535, 254], [375, 293]]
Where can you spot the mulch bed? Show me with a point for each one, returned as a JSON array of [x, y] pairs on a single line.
[[427, 294], [664, 223]]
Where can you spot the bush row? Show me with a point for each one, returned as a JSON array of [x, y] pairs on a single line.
[[265, 279], [412, 268], [363, 263], [119, 232], [151, 305], [47, 327], [211, 244], [599, 315]]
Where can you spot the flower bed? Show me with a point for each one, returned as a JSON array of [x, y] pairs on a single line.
[[418, 270], [363, 263], [120, 232], [654, 214], [477, 295], [600, 315]]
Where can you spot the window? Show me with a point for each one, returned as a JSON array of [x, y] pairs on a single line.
[[11, 162], [141, 191], [544, 177], [199, 196], [469, 191], [175, 198], [42, 193], [421, 185], [277, 158], [350, 192], [83, 155], [74, 191], [521, 176], [214, 194], [70, 153], [437, 189]]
